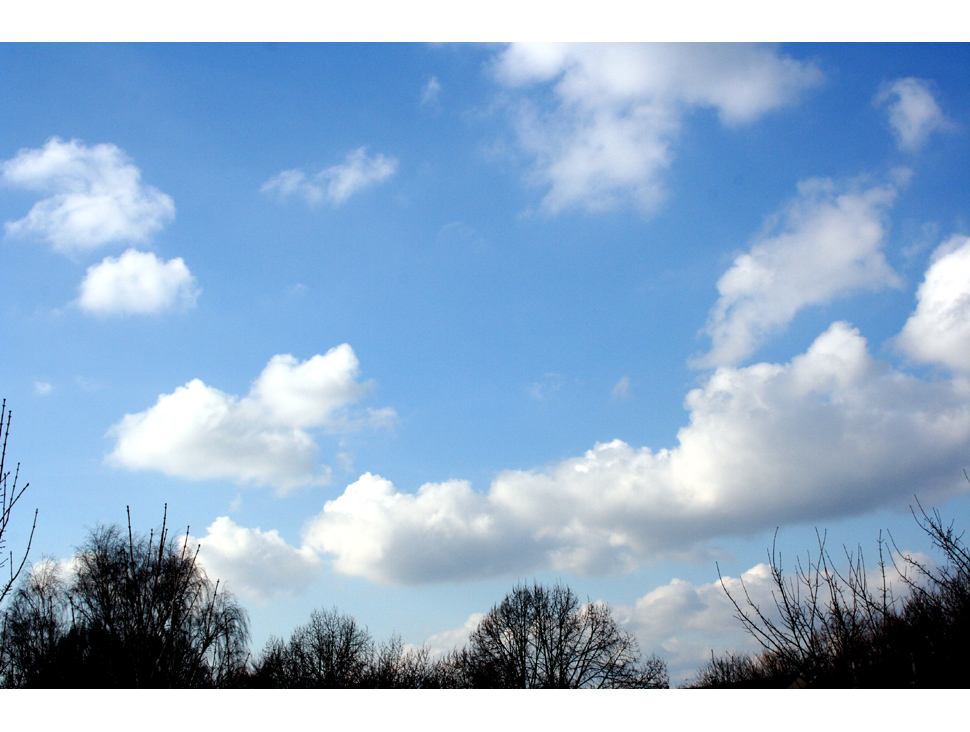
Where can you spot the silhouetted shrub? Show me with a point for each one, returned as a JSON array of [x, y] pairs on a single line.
[[829, 629], [130, 612]]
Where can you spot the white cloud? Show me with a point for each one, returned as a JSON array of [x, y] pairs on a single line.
[[137, 283], [430, 92], [388, 536], [199, 432], [544, 389], [256, 564], [913, 112], [94, 196], [309, 393], [622, 388], [832, 433], [42, 388], [939, 330], [619, 108], [337, 183], [441, 644], [826, 243]]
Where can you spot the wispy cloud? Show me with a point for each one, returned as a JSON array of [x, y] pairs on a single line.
[[621, 390], [545, 388], [94, 196], [335, 184], [913, 111], [137, 283], [618, 108], [430, 92]]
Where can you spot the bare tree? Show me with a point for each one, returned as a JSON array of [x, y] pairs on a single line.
[[393, 666], [35, 626], [827, 627], [331, 651], [541, 637], [9, 495], [823, 619]]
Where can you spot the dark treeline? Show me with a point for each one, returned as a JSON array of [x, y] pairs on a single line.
[[139, 611]]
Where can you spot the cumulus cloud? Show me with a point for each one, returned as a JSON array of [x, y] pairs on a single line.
[[337, 183], [368, 527], [834, 432], [825, 243], [939, 330], [913, 112], [618, 108], [137, 283], [199, 432], [94, 196], [683, 622], [255, 564]]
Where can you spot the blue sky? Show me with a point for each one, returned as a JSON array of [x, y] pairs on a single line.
[[393, 327]]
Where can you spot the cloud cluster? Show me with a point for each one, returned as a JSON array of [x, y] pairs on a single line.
[[826, 243], [137, 283], [833, 432], [913, 112], [198, 432], [939, 330], [94, 196], [618, 108], [335, 184]]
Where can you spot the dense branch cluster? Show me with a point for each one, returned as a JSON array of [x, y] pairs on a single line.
[[333, 651], [130, 612], [829, 628]]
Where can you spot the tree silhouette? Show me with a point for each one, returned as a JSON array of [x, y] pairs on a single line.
[[9, 495], [542, 637], [827, 627], [132, 612]]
